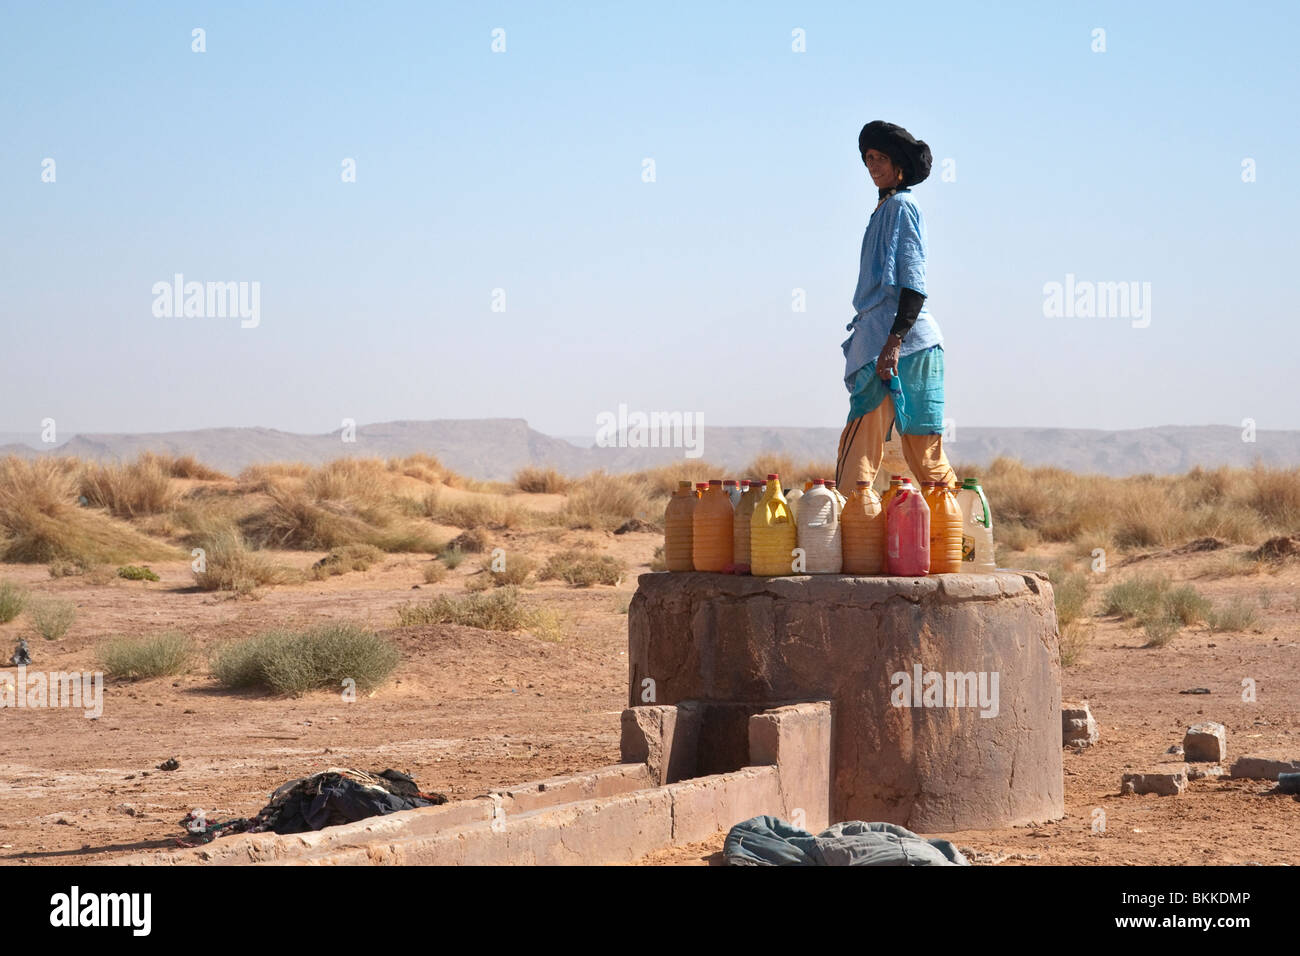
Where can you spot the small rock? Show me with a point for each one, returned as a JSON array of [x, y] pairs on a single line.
[[1164, 784], [1204, 771], [1205, 742], [1176, 749], [171, 763]]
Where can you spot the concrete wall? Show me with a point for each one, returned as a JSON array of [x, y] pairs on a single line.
[[614, 814]]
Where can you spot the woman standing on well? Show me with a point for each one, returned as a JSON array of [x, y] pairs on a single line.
[[894, 358]]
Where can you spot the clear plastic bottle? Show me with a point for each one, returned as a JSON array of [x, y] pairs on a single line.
[[976, 528]]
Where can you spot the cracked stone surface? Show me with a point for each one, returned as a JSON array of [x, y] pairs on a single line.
[[718, 637]]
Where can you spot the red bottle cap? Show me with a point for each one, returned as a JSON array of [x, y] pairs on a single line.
[[819, 481], [773, 477]]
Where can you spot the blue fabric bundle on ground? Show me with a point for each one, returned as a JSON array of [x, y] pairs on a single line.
[[769, 841]]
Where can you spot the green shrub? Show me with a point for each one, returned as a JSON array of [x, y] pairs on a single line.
[[1186, 605], [496, 610], [580, 568], [51, 617], [12, 601], [1136, 597], [1071, 592], [1237, 615], [1160, 628], [136, 658], [451, 557], [294, 662], [1075, 637], [134, 572]]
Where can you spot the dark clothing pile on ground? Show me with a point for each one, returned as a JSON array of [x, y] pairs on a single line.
[[325, 799], [22, 656], [768, 841]]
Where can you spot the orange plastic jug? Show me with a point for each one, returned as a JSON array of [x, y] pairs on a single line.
[[740, 529], [678, 529], [713, 527], [772, 533], [862, 532], [945, 529], [895, 482]]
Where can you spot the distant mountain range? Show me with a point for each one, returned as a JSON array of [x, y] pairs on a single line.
[[495, 448]]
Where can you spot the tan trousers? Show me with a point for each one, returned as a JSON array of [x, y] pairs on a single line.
[[862, 445]]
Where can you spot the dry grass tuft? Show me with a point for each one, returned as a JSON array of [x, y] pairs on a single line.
[[229, 564], [541, 481], [40, 522]]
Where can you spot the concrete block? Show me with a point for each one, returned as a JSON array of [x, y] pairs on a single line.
[[1166, 784], [706, 805], [1078, 728], [1205, 742], [1263, 767], [797, 740]]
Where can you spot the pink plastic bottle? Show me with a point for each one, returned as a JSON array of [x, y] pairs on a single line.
[[907, 533]]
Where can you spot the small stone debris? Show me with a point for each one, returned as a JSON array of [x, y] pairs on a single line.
[[1162, 783], [21, 656], [1078, 728], [171, 763], [1176, 750], [1262, 768], [636, 524], [1196, 690], [1206, 742], [1204, 771]]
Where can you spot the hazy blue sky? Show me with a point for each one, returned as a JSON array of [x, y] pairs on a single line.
[[522, 171]]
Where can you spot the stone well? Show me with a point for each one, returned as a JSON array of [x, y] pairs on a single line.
[[976, 747]]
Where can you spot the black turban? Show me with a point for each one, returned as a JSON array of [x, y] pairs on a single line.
[[908, 153]]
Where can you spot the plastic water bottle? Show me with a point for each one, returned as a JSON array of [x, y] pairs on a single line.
[[772, 534], [818, 529], [714, 515], [862, 532], [678, 530], [976, 528], [907, 533], [732, 488]]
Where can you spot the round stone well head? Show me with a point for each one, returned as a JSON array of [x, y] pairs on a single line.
[[945, 690]]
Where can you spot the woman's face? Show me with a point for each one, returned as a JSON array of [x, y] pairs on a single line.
[[882, 169]]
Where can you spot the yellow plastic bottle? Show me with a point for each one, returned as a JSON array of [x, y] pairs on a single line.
[[713, 526], [740, 530], [862, 531], [945, 528], [678, 529], [772, 533]]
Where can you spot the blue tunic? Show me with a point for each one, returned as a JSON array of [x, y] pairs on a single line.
[[893, 257]]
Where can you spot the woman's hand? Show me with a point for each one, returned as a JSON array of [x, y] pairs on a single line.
[[887, 362]]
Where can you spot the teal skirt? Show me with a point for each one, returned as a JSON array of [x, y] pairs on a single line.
[[917, 392]]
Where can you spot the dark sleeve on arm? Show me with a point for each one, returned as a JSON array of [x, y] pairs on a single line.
[[909, 307]]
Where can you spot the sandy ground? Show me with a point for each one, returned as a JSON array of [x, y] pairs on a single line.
[[471, 709]]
